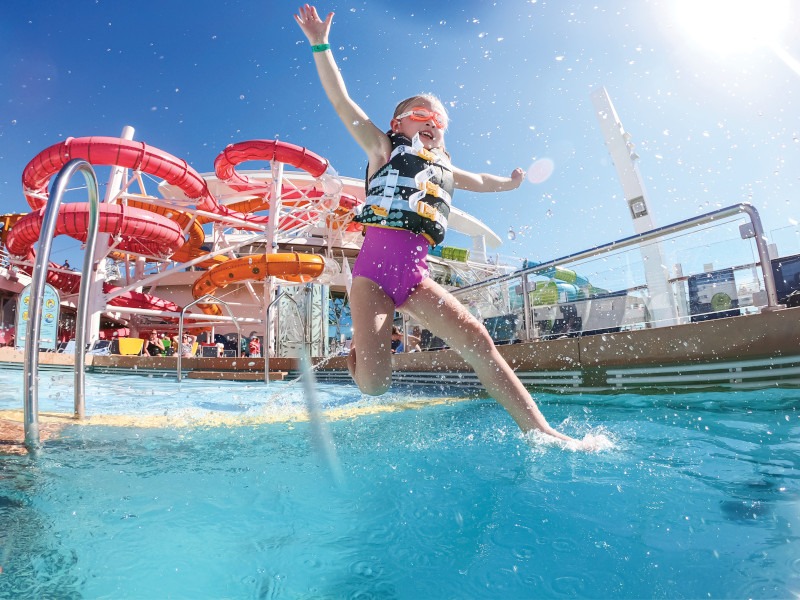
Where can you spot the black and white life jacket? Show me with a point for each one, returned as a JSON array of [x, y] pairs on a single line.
[[412, 191]]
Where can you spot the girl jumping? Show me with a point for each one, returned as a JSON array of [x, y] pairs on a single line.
[[410, 182]]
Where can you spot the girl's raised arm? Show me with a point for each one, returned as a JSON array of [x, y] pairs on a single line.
[[371, 139]]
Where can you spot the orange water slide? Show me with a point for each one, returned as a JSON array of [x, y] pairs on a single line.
[[290, 266], [8, 221], [192, 248]]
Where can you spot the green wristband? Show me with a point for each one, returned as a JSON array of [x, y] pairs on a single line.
[[320, 47]]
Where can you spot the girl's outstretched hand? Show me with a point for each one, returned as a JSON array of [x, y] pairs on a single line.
[[517, 176], [315, 29]]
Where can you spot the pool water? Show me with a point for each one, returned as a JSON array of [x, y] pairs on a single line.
[[700, 497]]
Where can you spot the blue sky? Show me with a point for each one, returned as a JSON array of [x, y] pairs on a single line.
[[714, 123]]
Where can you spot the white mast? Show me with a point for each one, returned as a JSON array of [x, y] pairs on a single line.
[[97, 299], [662, 301]]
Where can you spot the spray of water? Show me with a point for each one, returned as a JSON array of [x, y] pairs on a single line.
[[320, 433]]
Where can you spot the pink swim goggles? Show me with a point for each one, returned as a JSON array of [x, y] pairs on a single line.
[[420, 113]]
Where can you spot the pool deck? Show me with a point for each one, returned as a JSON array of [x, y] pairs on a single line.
[[746, 352], [12, 430]]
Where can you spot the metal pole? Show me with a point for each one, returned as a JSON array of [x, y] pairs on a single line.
[[267, 329], [179, 344], [763, 257], [87, 280], [526, 307], [31, 362], [98, 300]]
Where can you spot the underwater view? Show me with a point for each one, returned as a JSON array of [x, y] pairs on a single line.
[[219, 491]]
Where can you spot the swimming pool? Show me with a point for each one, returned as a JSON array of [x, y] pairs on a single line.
[[700, 497]]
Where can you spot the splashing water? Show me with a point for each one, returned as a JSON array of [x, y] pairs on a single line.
[[320, 434], [441, 493]]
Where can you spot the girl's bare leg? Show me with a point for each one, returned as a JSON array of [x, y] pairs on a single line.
[[440, 312], [370, 359]]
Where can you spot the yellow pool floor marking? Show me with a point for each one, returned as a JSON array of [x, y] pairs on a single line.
[[187, 418]]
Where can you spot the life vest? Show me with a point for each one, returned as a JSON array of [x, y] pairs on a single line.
[[412, 191]]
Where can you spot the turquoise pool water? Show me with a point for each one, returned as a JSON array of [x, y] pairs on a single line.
[[699, 498]]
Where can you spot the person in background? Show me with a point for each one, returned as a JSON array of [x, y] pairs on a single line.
[[185, 345], [414, 341], [397, 340], [254, 347], [169, 350], [399, 346], [154, 346]]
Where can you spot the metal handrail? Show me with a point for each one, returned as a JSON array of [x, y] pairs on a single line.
[[39, 276], [742, 207], [207, 299]]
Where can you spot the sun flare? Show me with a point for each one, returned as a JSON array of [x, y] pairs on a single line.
[[733, 26]]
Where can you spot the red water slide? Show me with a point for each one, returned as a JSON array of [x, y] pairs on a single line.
[[69, 283], [149, 233], [271, 150], [130, 154], [290, 154], [132, 229]]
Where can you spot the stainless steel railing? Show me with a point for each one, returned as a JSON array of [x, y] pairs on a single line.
[[31, 361], [207, 299], [757, 233]]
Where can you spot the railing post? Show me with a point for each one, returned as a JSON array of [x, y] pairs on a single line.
[[526, 307], [763, 257]]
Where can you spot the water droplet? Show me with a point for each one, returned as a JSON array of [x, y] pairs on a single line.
[[511, 233]]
